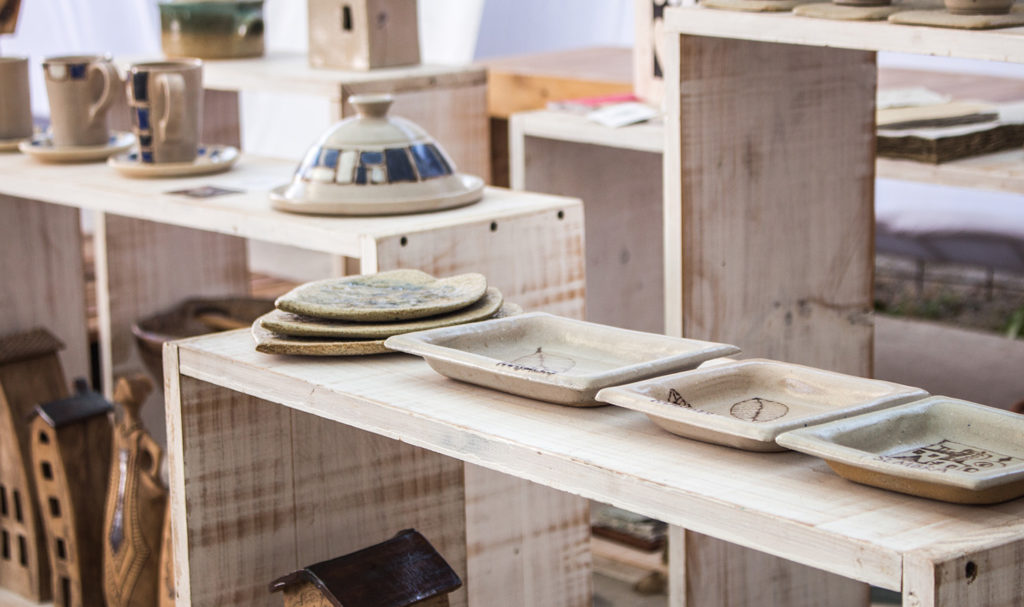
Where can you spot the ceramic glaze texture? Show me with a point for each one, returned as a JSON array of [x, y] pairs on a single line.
[[376, 164], [212, 30], [939, 447], [387, 296], [165, 100], [81, 90]]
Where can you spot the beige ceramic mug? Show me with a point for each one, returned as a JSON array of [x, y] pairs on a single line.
[[81, 90], [166, 102], [15, 108]]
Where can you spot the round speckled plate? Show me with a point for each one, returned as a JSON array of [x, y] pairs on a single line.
[[387, 296], [286, 323], [209, 159], [272, 343], [41, 148]]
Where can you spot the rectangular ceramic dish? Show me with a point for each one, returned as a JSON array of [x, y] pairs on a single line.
[[552, 358], [941, 448], [747, 404]]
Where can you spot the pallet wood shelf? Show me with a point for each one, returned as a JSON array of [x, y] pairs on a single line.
[[788, 505], [1000, 171], [785, 28]]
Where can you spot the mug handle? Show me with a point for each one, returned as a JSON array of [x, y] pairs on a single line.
[[169, 125], [111, 83]]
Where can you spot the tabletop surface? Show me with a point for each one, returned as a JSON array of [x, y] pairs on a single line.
[[787, 504], [245, 212]]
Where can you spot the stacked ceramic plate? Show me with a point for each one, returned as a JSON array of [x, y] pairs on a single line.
[[354, 315]]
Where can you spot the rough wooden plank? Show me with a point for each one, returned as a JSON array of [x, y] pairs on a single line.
[[145, 267], [527, 543], [1000, 171], [232, 487], [992, 577], [41, 260], [776, 181], [795, 508], [623, 197], [991, 45], [719, 573], [354, 489], [535, 259]]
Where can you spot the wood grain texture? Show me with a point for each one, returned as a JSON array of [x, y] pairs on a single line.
[[144, 267], [354, 489], [785, 28], [720, 573], [992, 577], [1000, 171], [622, 198], [536, 259], [41, 260], [526, 542], [775, 170], [792, 506]]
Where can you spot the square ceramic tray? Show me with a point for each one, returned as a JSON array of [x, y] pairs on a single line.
[[552, 358], [746, 404], [940, 447]]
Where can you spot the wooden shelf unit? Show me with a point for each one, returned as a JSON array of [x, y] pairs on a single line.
[[783, 504]]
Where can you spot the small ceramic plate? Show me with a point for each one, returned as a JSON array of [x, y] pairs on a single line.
[[272, 343], [387, 296], [747, 404], [11, 145], [552, 358], [400, 199], [41, 148], [286, 323], [210, 159], [940, 447]]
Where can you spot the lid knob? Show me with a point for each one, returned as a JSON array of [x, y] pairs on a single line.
[[371, 106]]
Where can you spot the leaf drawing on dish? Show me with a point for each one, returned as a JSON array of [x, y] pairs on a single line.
[[541, 362], [758, 409]]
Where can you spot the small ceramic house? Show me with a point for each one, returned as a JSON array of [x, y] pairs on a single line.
[[71, 462], [30, 373], [363, 34], [405, 570]]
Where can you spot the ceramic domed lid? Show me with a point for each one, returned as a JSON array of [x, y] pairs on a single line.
[[374, 164]]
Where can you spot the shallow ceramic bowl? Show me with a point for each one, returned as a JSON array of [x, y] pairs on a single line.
[[941, 448], [212, 29], [747, 404], [552, 358], [978, 7]]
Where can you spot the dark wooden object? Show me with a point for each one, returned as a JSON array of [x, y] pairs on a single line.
[[71, 456], [30, 373], [405, 570], [136, 505]]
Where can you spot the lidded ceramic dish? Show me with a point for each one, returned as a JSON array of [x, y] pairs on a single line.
[[375, 164]]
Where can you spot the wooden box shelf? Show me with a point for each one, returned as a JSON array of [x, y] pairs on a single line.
[[787, 505]]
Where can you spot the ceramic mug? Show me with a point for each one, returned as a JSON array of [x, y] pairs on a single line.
[[15, 108], [81, 90], [165, 99]]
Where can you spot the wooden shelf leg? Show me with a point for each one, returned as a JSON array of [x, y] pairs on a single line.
[[144, 267], [769, 187], [41, 262], [706, 572], [987, 578]]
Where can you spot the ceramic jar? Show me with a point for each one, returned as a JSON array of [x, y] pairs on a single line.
[[213, 29]]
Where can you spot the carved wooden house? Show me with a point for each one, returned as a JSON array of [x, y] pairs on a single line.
[[363, 34], [30, 373], [405, 570], [71, 462]]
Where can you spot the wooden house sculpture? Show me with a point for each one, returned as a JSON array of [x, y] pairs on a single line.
[[405, 570], [71, 462], [30, 373], [363, 34]]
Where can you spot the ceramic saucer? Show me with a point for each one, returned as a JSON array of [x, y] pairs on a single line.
[[210, 159], [41, 148], [11, 145]]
